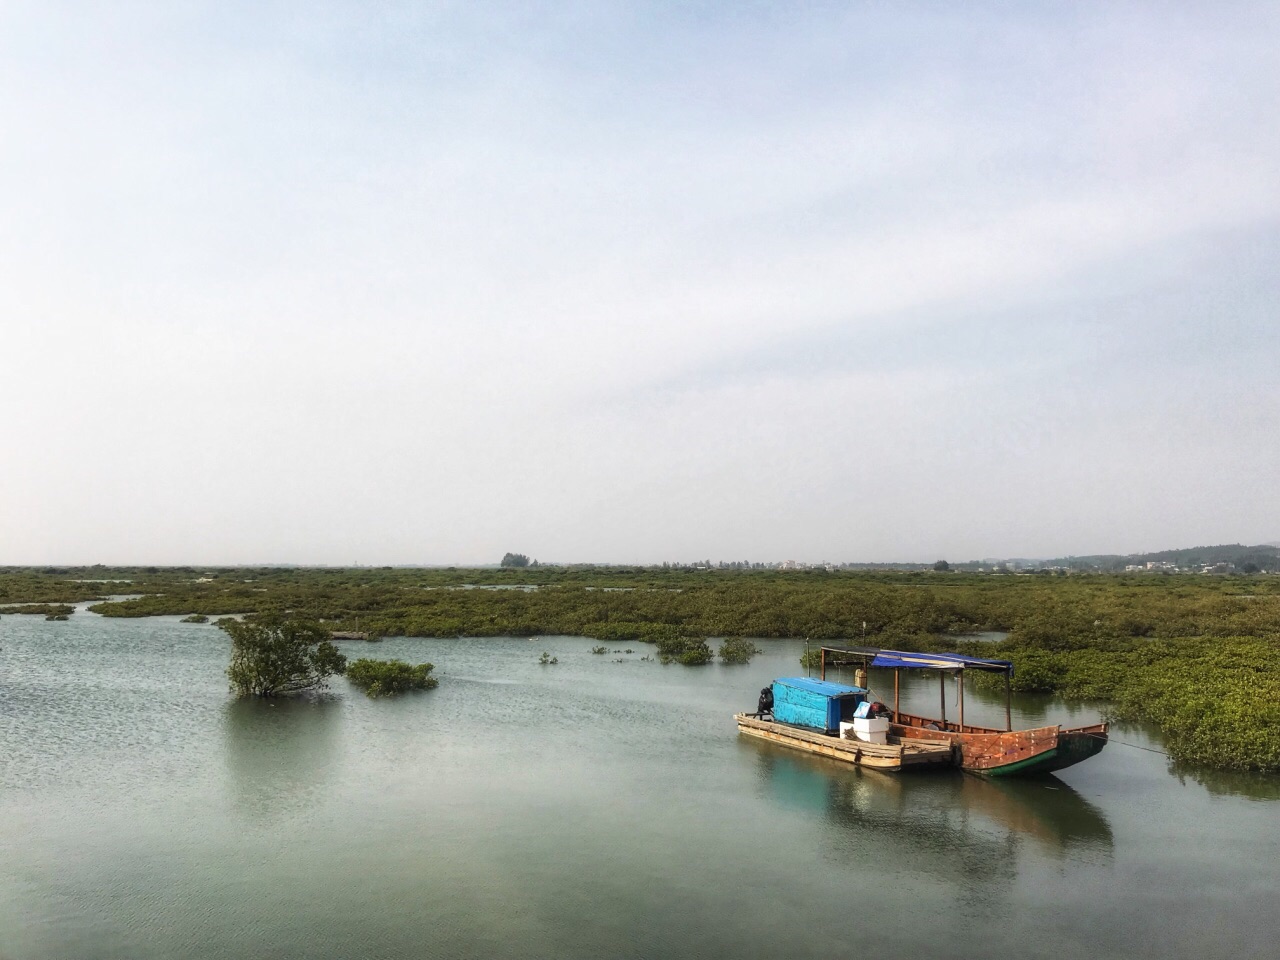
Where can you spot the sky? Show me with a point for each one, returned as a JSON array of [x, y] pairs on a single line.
[[402, 283]]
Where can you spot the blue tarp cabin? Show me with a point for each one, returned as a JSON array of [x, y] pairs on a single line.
[[817, 704]]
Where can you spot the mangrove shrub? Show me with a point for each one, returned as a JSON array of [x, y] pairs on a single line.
[[274, 656], [379, 678], [691, 651], [737, 650]]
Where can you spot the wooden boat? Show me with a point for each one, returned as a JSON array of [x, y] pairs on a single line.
[[982, 750]]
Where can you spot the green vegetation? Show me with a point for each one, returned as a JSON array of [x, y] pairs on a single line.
[[737, 650], [1194, 654], [380, 678], [690, 651], [47, 610], [273, 656], [547, 659], [196, 618], [599, 650], [515, 560]]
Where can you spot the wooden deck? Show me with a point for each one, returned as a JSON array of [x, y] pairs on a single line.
[[900, 752]]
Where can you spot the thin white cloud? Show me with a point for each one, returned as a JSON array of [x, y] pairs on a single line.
[[343, 283]]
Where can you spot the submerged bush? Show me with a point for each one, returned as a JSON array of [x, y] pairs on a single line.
[[737, 650], [695, 654], [379, 678], [690, 651]]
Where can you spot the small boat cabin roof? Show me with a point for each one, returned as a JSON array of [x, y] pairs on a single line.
[[899, 659], [824, 688]]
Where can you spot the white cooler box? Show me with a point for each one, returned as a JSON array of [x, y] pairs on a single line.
[[869, 731]]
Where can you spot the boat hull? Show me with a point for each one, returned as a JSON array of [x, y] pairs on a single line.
[[1008, 753]]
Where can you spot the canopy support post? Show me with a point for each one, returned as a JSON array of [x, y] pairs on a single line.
[[942, 695], [1008, 709], [895, 694], [822, 658], [960, 677]]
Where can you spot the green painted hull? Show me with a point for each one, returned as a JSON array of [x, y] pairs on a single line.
[[1071, 749]]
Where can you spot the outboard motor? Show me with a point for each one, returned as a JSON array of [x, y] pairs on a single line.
[[766, 702]]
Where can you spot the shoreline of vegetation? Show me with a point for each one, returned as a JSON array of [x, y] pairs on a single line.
[[1195, 655], [48, 610]]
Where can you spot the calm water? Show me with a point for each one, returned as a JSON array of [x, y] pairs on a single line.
[[588, 809]]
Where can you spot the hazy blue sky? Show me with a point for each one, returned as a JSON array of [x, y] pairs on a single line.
[[405, 282]]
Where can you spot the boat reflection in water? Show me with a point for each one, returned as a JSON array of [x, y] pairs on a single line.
[[954, 813]]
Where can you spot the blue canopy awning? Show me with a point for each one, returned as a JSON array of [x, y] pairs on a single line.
[[823, 688], [938, 661]]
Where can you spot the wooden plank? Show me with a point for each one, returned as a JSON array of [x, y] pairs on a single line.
[[856, 757], [820, 739], [913, 720]]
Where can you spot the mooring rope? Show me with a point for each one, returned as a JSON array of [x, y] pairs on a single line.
[[1124, 744]]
